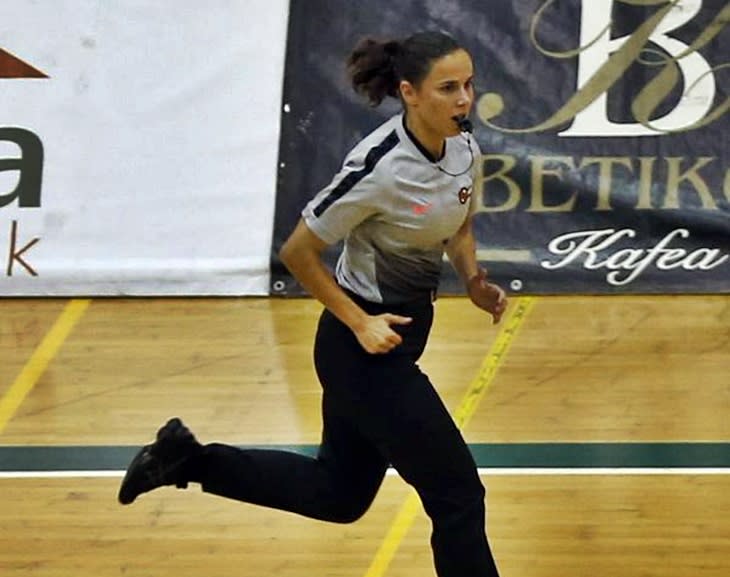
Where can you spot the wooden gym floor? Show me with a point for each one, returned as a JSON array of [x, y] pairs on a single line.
[[601, 425]]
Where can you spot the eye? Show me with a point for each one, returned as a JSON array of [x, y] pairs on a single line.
[[453, 86]]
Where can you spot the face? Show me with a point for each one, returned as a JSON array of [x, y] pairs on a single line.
[[447, 91]]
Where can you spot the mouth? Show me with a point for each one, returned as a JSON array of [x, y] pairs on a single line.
[[463, 123]]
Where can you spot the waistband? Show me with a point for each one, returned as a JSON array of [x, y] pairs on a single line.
[[418, 302]]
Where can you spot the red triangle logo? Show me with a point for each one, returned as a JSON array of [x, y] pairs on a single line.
[[13, 67]]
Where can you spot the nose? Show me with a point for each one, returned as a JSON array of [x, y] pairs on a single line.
[[464, 98]]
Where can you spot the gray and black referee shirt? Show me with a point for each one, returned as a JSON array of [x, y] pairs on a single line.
[[395, 210]]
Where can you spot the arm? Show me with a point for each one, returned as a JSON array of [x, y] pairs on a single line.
[[461, 250], [302, 255]]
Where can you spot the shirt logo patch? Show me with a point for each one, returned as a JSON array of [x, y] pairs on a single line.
[[464, 194], [420, 209]]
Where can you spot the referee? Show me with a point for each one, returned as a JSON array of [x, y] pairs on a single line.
[[402, 198]]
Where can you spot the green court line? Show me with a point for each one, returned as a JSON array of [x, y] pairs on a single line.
[[487, 455]]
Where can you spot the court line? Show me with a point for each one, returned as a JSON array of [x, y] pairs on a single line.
[[40, 359], [494, 457], [484, 471], [476, 391]]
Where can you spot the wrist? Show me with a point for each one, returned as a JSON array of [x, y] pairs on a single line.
[[476, 278], [473, 287], [355, 318]]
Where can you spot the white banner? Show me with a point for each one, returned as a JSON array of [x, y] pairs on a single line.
[[138, 145]]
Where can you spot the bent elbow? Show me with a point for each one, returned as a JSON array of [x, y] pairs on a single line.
[[286, 254]]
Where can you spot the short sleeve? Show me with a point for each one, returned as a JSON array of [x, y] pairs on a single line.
[[348, 200]]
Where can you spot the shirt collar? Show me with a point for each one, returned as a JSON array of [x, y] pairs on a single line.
[[422, 149]]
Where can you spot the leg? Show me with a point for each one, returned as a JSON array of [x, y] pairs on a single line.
[[338, 485], [397, 409], [429, 452]]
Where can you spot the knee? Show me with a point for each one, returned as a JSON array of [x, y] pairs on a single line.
[[349, 510], [468, 497], [457, 504], [463, 489]]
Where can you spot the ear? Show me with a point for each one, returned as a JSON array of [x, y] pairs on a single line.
[[408, 93]]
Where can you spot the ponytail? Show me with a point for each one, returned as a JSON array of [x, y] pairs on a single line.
[[376, 67], [372, 69]]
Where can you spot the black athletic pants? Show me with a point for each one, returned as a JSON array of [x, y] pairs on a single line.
[[377, 409]]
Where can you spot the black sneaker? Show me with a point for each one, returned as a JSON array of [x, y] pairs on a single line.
[[160, 463]]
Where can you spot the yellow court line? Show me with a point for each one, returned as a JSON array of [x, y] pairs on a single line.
[[40, 359], [476, 391]]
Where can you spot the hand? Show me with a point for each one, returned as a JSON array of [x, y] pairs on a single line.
[[487, 296], [376, 336]]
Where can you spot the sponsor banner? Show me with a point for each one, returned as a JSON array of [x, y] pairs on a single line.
[[603, 124], [133, 158]]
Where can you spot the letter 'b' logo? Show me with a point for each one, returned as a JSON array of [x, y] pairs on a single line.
[[684, 64], [603, 60]]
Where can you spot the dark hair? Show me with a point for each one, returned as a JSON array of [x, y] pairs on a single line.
[[376, 67]]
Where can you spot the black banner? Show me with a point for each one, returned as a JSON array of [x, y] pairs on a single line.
[[603, 124]]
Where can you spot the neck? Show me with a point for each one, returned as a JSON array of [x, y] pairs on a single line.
[[433, 143]]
